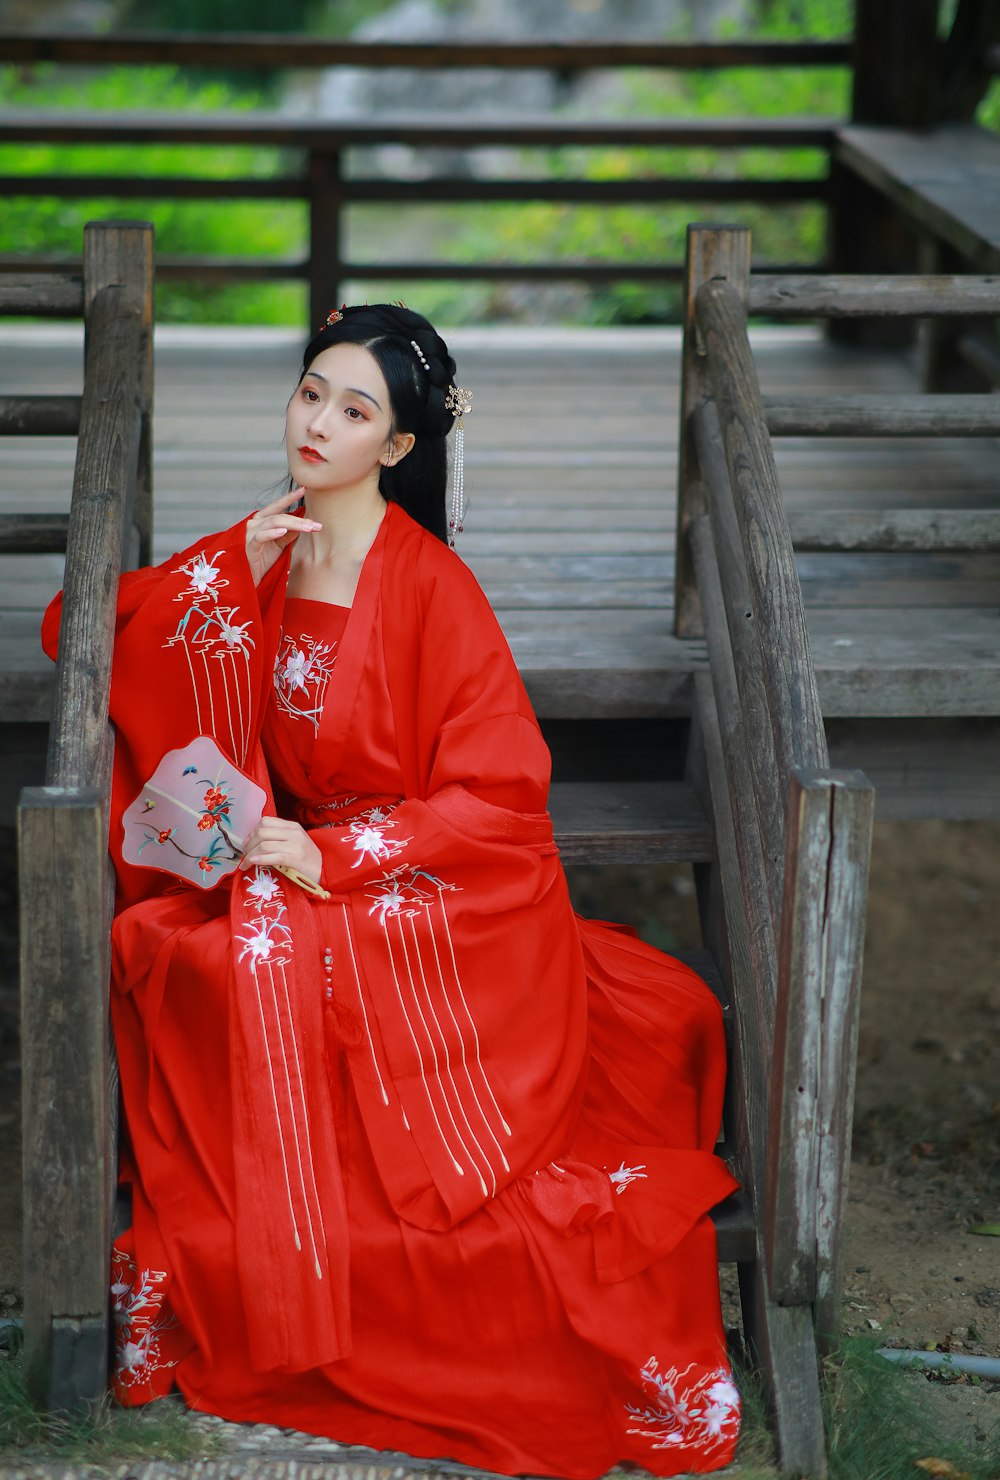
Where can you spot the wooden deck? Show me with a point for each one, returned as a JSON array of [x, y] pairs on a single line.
[[571, 457]]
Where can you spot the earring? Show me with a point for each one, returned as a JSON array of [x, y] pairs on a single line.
[[459, 402]]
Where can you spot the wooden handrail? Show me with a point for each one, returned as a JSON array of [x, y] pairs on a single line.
[[267, 52], [795, 837], [66, 884], [883, 416], [873, 295], [326, 182], [100, 516], [42, 295], [447, 130], [775, 595], [34, 416]]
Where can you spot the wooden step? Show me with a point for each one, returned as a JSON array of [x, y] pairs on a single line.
[[629, 822]]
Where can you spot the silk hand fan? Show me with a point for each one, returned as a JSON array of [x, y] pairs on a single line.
[[193, 817]]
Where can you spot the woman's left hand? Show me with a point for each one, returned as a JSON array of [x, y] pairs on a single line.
[[277, 842]]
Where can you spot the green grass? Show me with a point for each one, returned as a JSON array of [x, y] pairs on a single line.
[[161, 1430], [879, 1424]]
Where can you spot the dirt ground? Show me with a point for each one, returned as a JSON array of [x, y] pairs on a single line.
[[926, 1166]]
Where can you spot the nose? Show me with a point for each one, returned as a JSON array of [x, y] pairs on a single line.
[[317, 422]]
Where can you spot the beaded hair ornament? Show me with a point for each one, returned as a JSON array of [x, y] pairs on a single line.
[[459, 402]]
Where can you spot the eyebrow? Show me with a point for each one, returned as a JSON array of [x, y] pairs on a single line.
[[352, 390]]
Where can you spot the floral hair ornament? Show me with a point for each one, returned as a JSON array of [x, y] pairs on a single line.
[[459, 402], [335, 315]]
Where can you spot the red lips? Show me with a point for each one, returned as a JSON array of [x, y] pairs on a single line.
[[309, 454]]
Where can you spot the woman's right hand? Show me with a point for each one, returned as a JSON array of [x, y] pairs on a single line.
[[272, 529]]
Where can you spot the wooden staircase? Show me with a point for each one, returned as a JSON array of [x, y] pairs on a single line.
[[778, 842]]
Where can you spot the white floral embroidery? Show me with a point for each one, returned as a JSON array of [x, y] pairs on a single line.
[[265, 935], [626, 1175], [202, 572], [139, 1321], [264, 886], [702, 1414], [368, 839], [398, 893], [302, 670]]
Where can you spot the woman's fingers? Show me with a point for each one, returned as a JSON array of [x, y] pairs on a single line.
[[278, 842]]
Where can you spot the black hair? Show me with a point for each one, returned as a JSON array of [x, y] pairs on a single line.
[[419, 372]]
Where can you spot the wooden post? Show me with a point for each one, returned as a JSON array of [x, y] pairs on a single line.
[[852, 816], [65, 889], [62, 852], [896, 82], [123, 252], [780, 1337], [896, 62], [711, 251], [815, 1047], [326, 199]]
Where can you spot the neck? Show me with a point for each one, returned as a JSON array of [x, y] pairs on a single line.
[[350, 520]]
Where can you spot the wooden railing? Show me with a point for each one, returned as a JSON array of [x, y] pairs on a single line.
[[327, 182], [66, 884], [793, 841]]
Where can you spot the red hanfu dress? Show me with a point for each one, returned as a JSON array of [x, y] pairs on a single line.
[[427, 1165]]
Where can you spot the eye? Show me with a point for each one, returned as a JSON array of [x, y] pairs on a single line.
[[309, 394], [354, 413]]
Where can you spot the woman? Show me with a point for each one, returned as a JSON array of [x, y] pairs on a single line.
[[418, 1159]]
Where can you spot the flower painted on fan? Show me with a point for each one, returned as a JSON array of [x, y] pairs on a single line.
[[206, 864], [215, 796], [165, 835], [205, 821]]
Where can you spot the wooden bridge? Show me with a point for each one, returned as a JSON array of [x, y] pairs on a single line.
[[723, 563]]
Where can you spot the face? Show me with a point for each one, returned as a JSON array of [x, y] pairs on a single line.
[[338, 422]]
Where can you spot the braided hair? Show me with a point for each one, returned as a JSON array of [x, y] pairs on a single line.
[[418, 371]]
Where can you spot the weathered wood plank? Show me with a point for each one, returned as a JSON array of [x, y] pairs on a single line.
[[846, 906], [726, 551], [28, 534], [39, 416], [789, 1210], [266, 52], [629, 822], [122, 254], [781, 1338], [723, 252], [883, 295], [883, 416], [953, 530], [458, 129], [947, 179], [102, 488], [64, 1052], [775, 595], [41, 295], [924, 768]]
